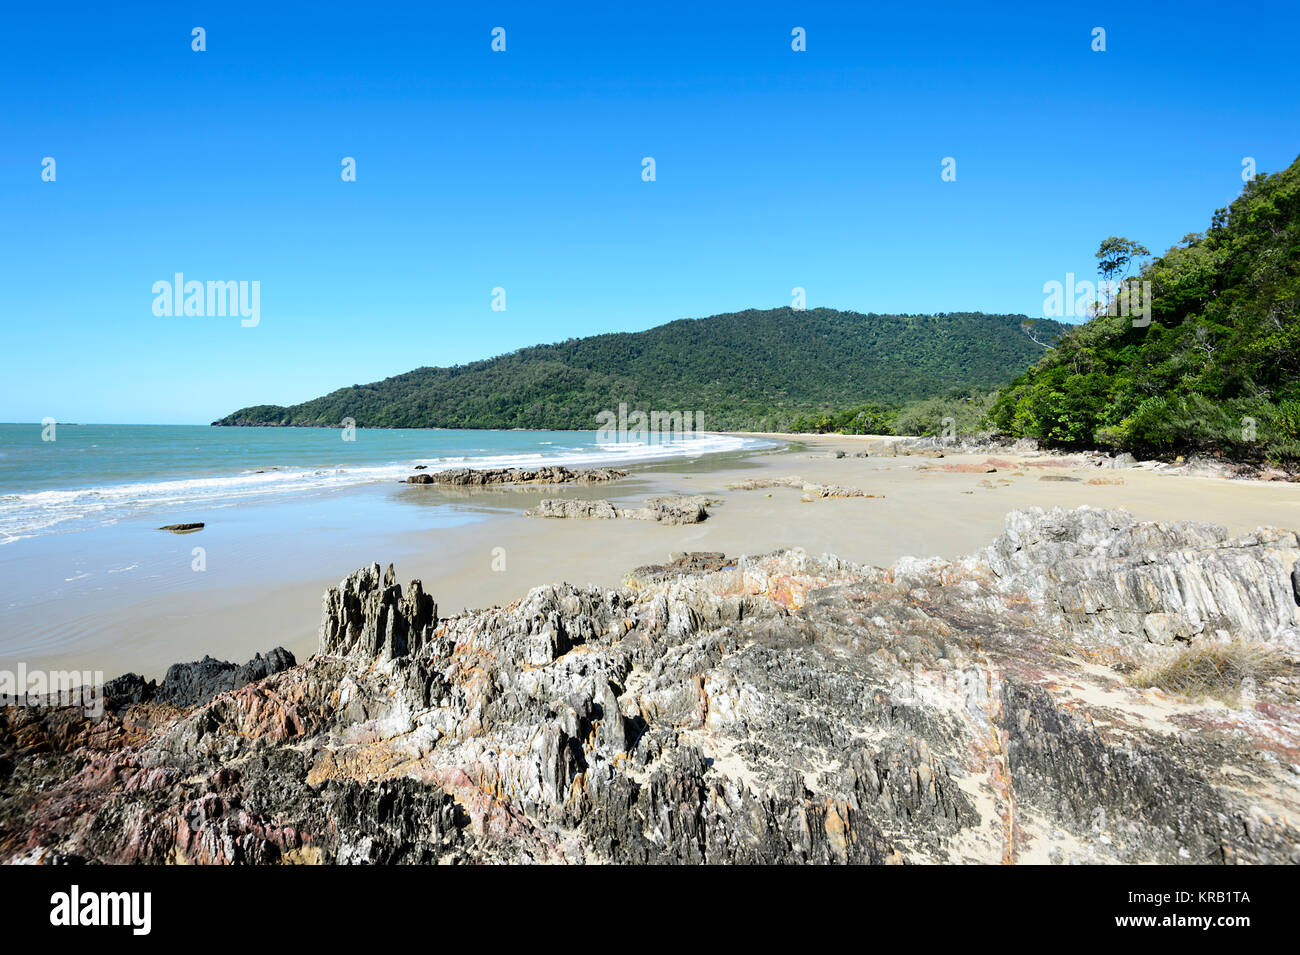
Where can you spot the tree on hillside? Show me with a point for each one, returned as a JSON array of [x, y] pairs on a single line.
[[1114, 257], [1028, 327], [1217, 369]]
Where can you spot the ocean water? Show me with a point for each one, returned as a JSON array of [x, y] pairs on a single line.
[[94, 475]]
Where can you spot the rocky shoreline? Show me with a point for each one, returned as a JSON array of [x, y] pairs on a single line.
[[1005, 707], [1194, 465], [500, 477]]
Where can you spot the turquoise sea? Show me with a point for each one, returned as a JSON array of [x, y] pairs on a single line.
[[96, 474]]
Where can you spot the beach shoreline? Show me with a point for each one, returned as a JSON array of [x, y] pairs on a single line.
[[268, 563]]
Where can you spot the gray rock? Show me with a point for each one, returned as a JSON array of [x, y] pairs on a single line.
[[492, 477], [191, 684], [369, 615], [1104, 576], [565, 507], [676, 509], [774, 709]]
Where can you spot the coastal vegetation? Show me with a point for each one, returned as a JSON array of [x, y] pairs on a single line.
[[954, 413], [1217, 369], [1210, 364], [1213, 368], [1214, 668], [755, 370]]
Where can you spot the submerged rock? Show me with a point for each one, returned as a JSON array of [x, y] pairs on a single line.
[[491, 477]]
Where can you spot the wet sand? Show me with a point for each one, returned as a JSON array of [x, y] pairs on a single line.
[[268, 564]]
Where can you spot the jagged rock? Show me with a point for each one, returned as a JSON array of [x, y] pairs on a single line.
[[370, 615], [1104, 575], [782, 708], [190, 684], [129, 688], [183, 528]]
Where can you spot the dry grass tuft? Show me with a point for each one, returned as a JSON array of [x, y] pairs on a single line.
[[1211, 668]]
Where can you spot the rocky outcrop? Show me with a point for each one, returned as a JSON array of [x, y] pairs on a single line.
[[493, 477], [673, 509], [369, 615], [182, 528], [1105, 576], [695, 562], [565, 507], [810, 489], [191, 684], [775, 709]]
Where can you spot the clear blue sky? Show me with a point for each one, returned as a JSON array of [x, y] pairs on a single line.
[[523, 170]]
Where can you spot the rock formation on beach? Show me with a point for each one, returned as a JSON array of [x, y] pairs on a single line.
[[810, 489], [191, 684], [772, 709], [491, 477], [672, 509]]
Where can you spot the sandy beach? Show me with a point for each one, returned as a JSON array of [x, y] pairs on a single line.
[[267, 565]]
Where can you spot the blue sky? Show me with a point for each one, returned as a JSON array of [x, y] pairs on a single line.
[[522, 170]]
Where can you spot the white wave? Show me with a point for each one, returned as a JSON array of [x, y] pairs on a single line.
[[39, 512]]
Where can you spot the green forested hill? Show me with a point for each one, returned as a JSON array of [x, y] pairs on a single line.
[[1217, 368], [753, 370]]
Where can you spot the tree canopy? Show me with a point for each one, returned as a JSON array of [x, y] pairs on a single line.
[[751, 370], [1216, 368]]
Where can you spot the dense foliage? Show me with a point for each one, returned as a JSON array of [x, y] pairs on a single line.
[[954, 413], [752, 370], [1218, 367]]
